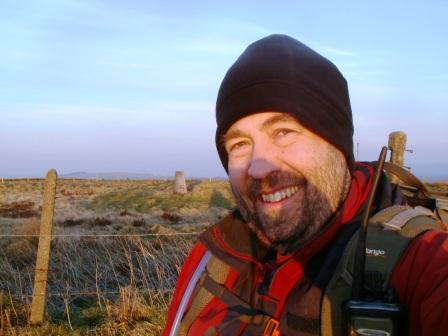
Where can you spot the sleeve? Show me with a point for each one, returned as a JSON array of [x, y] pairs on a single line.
[[421, 282], [186, 272]]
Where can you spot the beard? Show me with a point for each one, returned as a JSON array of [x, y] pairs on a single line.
[[320, 194]]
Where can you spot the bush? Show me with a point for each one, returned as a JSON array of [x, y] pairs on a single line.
[[23, 209], [171, 217], [138, 222], [101, 221], [71, 222]]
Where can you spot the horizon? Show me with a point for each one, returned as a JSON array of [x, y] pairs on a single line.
[[101, 86], [111, 175]]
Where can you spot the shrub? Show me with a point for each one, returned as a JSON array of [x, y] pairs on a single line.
[[101, 221], [138, 222], [171, 217], [71, 222], [23, 209], [126, 213]]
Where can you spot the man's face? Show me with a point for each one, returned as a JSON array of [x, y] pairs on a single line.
[[287, 181]]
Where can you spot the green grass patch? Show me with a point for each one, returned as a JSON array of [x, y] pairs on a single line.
[[202, 195], [218, 200]]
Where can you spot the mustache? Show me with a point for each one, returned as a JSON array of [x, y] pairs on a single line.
[[277, 179]]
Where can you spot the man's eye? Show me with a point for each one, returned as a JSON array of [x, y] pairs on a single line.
[[237, 145], [282, 132]]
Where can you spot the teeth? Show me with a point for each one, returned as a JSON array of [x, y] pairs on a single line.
[[279, 195]]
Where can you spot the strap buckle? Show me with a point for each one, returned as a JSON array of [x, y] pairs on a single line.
[[272, 328]]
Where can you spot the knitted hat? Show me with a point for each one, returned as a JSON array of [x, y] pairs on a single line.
[[280, 74]]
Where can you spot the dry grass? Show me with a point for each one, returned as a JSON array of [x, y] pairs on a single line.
[[87, 206], [93, 281], [438, 188], [102, 285]]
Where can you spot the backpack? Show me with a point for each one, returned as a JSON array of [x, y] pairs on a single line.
[[358, 299], [389, 233]]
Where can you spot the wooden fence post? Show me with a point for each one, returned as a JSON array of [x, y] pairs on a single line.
[[397, 145], [43, 250]]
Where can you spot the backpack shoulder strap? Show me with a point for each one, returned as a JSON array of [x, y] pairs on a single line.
[[389, 233], [210, 286], [216, 270]]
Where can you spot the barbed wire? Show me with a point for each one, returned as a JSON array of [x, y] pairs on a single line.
[[101, 235], [93, 293]]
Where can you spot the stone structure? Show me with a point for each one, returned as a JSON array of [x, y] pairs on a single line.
[[180, 186]]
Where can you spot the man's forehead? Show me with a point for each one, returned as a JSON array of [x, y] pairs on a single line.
[[263, 120]]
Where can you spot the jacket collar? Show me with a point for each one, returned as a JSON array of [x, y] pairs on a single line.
[[232, 235]]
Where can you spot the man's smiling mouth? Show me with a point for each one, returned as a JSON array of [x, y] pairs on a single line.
[[280, 194]]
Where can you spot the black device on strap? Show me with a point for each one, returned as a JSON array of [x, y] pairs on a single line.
[[363, 316]]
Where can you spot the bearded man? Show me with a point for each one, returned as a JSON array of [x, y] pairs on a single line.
[[284, 135]]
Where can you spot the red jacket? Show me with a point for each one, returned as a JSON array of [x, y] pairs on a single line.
[[420, 278]]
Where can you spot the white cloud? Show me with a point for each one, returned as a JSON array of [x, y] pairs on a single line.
[[38, 118], [331, 51], [223, 48], [225, 36], [128, 65], [238, 26]]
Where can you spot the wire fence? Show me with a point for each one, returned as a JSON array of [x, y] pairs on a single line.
[[84, 270], [91, 269], [101, 235]]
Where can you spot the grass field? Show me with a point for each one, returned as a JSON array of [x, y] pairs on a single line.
[[104, 285], [101, 285]]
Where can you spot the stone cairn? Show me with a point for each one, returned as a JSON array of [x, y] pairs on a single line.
[[180, 186]]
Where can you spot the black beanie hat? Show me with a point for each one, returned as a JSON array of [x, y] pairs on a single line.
[[281, 74]]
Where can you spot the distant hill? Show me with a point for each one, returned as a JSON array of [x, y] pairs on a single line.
[[112, 176], [434, 178], [109, 176]]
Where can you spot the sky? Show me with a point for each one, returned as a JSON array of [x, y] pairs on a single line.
[[130, 86]]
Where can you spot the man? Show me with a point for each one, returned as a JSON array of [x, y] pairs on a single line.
[[284, 135]]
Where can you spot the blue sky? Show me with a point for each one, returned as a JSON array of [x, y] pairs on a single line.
[[107, 86]]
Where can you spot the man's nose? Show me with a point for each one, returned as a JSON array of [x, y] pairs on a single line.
[[261, 163]]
